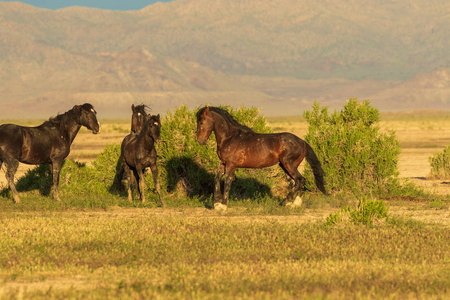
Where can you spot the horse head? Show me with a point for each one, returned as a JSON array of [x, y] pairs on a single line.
[[205, 125], [138, 118], [88, 117], [154, 127]]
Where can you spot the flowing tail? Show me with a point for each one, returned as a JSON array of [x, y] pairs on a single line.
[[316, 166]]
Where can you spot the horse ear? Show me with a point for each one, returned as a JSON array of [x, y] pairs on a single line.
[[158, 117], [206, 110], [133, 108]]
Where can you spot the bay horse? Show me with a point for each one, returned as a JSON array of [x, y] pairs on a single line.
[[138, 152], [240, 147], [48, 143]]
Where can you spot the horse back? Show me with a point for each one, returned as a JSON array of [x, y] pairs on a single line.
[[31, 145], [257, 150]]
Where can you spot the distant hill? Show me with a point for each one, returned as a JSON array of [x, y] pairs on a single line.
[[277, 55]]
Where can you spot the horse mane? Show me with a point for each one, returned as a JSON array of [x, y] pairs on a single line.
[[58, 120], [227, 117], [142, 108]]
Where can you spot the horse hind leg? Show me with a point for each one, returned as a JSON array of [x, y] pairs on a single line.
[[293, 198], [11, 169], [154, 169]]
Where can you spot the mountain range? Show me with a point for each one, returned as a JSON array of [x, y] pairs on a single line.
[[280, 56]]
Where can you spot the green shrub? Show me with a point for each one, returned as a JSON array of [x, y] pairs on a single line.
[[440, 164], [365, 213], [355, 156]]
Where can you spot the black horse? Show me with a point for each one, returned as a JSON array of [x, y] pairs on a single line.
[[240, 147], [138, 117], [138, 152], [48, 143]]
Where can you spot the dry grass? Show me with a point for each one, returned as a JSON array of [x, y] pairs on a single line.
[[198, 253]]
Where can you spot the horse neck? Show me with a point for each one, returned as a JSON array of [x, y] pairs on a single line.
[[223, 130], [69, 128], [146, 134]]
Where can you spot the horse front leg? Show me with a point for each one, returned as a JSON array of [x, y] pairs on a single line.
[[154, 169], [11, 169], [217, 188], [229, 178], [141, 183], [56, 169]]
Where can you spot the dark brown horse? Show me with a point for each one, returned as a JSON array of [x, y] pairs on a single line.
[[48, 143], [240, 147], [138, 152], [138, 117]]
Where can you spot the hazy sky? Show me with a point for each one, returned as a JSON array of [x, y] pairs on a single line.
[[104, 4]]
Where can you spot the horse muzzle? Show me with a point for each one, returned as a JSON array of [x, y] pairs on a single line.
[[202, 141], [97, 129]]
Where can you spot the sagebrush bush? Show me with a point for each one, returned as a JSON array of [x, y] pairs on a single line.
[[355, 155], [440, 164]]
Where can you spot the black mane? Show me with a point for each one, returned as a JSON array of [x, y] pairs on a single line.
[[142, 108], [58, 120], [71, 114], [226, 115]]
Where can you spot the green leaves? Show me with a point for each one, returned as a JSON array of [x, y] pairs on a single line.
[[356, 157], [365, 213]]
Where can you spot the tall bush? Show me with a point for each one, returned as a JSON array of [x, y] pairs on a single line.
[[355, 155]]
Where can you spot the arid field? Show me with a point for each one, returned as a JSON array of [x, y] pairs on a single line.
[[248, 253]]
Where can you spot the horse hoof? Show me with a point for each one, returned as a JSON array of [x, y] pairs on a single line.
[[296, 203], [220, 207]]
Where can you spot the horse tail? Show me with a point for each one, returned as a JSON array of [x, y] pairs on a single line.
[[316, 166]]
